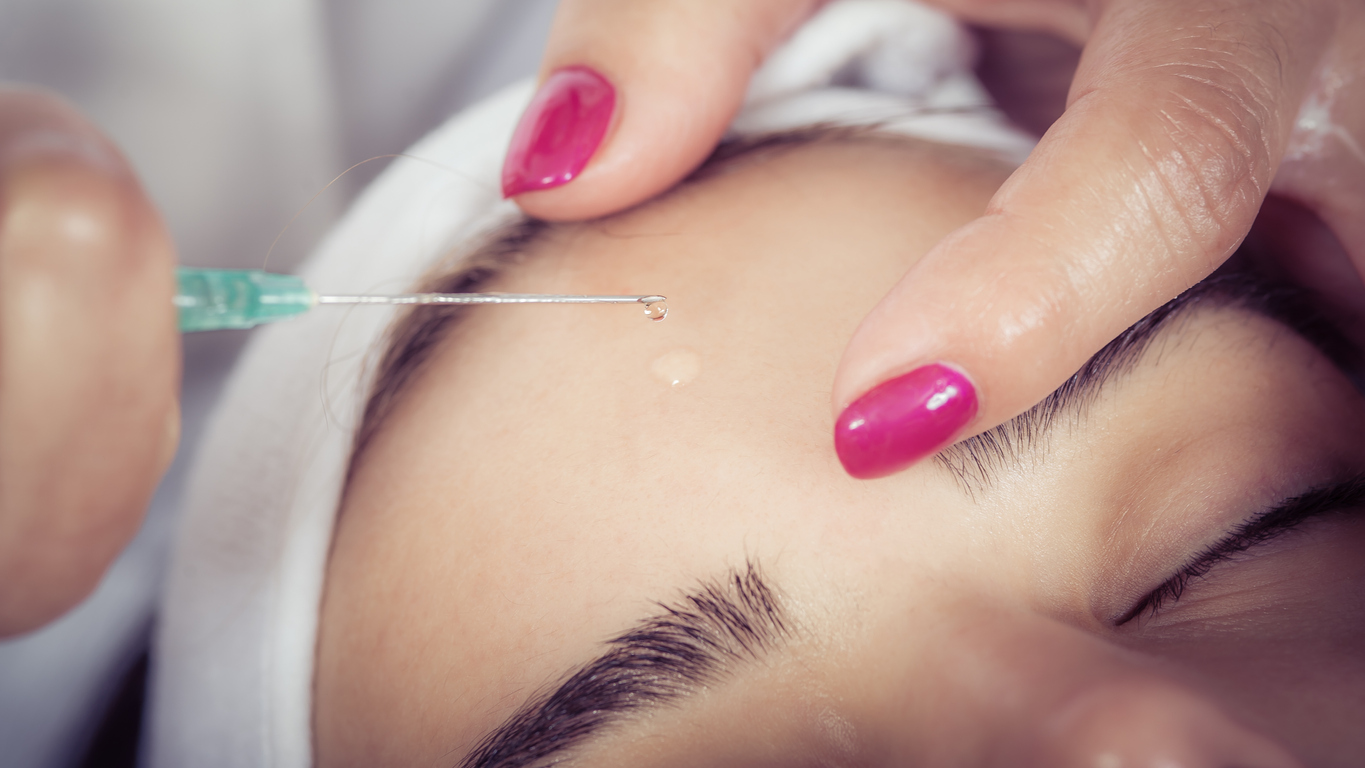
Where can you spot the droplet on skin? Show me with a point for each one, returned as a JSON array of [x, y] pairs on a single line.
[[676, 368]]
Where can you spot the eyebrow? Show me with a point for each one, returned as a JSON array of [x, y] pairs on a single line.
[[1270, 524], [977, 461], [694, 642]]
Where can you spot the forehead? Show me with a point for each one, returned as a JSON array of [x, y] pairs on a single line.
[[549, 476], [778, 246], [795, 243], [534, 433], [769, 265]]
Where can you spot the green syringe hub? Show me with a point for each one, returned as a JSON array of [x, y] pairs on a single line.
[[213, 299]]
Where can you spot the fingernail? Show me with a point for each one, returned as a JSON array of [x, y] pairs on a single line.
[[559, 132], [899, 422]]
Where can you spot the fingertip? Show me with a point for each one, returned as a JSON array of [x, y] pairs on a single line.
[[560, 131], [38, 126], [636, 97], [593, 142], [903, 420], [997, 326], [89, 356]]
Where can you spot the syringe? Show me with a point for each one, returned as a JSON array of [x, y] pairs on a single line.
[[213, 299]]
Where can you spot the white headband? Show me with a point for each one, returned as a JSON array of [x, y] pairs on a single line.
[[233, 670]]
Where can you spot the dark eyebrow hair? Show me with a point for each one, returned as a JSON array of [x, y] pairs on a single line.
[[977, 461], [694, 642], [1269, 524]]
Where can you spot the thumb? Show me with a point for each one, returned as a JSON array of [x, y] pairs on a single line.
[[89, 356], [634, 95], [1177, 120]]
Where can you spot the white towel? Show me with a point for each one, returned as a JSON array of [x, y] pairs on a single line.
[[232, 678]]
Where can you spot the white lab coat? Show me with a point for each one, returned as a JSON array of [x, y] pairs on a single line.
[[235, 113]]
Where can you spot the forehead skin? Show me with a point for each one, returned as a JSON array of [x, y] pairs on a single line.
[[542, 483]]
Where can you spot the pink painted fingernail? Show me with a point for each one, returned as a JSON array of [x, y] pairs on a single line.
[[899, 422], [559, 132]]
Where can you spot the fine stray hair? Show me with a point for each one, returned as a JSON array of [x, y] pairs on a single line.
[[688, 644]]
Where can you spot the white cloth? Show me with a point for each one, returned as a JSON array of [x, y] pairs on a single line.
[[234, 654]]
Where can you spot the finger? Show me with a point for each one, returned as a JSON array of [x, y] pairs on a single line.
[[1150, 179], [89, 356], [634, 95]]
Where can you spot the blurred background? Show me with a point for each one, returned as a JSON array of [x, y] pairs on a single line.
[[234, 113]]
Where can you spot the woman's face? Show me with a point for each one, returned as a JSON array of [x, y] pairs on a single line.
[[658, 508]]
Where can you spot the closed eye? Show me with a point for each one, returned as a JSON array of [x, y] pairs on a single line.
[[1346, 496]]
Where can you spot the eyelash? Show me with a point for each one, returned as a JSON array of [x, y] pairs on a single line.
[[1271, 524], [1171, 590]]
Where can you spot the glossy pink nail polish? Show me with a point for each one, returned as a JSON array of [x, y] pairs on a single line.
[[559, 132], [899, 422]]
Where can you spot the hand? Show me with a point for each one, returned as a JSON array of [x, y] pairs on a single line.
[[1181, 117], [89, 356]]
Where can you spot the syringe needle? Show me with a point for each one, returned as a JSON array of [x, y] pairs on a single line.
[[655, 308], [213, 299], [488, 298]]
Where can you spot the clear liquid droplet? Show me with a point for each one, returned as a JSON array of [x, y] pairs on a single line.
[[677, 367], [656, 310]]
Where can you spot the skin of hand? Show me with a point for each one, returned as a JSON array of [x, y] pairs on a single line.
[[89, 356], [1180, 119]]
